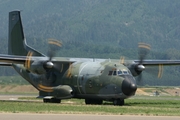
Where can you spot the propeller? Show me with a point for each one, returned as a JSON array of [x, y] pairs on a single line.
[[49, 65], [142, 52], [40, 66]]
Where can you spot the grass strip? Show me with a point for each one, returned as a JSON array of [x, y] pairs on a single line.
[[156, 107]]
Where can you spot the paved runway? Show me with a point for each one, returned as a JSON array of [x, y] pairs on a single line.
[[10, 97], [15, 97], [26, 116]]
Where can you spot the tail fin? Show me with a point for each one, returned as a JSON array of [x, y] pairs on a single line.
[[17, 42]]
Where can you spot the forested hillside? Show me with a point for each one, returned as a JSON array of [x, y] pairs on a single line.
[[101, 29]]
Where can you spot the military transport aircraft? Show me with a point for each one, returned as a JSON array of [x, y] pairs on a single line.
[[59, 78]]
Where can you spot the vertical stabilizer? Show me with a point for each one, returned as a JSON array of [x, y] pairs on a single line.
[[17, 42]]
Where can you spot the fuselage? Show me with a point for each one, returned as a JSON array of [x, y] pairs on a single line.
[[104, 80]]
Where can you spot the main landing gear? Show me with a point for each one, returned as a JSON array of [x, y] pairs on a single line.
[[52, 100], [93, 101], [118, 102]]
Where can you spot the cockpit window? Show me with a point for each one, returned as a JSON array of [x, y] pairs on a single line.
[[115, 73], [125, 72], [118, 72]]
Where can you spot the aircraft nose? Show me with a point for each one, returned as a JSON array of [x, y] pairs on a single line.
[[129, 87]]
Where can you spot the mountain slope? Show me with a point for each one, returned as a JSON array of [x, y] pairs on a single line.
[[100, 28]]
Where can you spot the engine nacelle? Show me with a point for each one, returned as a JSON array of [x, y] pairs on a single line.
[[37, 67], [60, 92], [63, 92], [40, 67]]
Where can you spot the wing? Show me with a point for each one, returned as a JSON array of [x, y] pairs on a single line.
[[8, 60], [12, 59], [158, 62]]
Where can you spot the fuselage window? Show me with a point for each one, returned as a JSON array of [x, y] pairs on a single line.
[[110, 72], [115, 73]]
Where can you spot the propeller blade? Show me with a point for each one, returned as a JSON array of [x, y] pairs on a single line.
[[54, 46], [45, 88], [28, 60], [160, 73], [156, 71], [69, 71], [121, 61], [58, 66], [143, 51], [140, 80]]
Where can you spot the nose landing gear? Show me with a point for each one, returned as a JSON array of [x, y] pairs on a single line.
[[93, 101]]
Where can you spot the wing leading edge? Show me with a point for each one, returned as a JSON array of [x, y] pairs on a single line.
[[158, 62], [8, 60]]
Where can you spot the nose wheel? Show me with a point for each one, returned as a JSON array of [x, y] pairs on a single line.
[[52, 100], [118, 102]]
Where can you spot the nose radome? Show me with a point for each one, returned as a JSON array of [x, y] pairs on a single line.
[[128, 87]]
